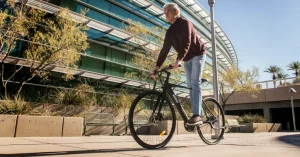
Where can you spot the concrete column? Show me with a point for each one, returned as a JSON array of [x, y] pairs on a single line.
[[267, 113]]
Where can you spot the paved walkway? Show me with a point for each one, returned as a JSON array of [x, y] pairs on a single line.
[[235, 144]]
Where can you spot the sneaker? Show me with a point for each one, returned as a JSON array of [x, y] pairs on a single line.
[[195, 120]]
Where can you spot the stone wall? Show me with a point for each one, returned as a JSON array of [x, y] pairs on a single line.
[[40, 126]]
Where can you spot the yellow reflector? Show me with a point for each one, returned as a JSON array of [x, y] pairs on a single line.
[[162, 133], [216, 111]]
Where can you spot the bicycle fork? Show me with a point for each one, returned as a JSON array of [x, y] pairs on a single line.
[[159, 104]]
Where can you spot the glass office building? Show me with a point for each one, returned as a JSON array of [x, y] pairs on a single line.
[[107, 59]]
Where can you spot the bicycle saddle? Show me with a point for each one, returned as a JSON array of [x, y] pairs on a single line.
[[203, 80]]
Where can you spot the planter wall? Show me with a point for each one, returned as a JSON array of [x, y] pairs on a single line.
[[50, 126], [72, 126], [259, 127], [7, 125], [40, 126]]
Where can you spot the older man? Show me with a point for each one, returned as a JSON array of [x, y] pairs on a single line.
[[182, 36]]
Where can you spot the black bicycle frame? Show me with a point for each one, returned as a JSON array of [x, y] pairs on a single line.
[[167, 88]]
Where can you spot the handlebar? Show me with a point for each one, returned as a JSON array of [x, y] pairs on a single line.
[[159, 72], [164, 69]]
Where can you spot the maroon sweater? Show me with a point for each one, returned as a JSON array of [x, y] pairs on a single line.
[[182, 36]]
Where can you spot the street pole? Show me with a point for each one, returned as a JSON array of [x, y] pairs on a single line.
[[215, 70], [213, 40], [292, 105]]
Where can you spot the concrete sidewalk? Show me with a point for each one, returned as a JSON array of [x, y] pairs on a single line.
[[235, 144]]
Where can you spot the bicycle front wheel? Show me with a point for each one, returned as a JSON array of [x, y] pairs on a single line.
[[213, 127], [151, 120]]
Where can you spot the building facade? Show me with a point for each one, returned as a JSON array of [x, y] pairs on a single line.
[[107, 59]]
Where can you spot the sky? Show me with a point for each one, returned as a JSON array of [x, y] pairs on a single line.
[[263, 32]]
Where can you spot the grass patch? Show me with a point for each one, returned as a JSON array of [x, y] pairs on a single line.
[[14, 106]]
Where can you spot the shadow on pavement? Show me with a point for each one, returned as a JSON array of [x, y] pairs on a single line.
[[86, 152], [41, 142], [291, 139], [73, 152]]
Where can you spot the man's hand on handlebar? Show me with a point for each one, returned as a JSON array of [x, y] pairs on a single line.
[[176, 65], [154, 73]]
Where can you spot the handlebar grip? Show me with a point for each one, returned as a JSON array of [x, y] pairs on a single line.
[[171, 66], [154, 73]]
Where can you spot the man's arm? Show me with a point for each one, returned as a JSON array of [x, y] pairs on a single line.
[[163, 53], [186, 39]]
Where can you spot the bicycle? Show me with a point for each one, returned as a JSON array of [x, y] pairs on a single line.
[[150, 112]]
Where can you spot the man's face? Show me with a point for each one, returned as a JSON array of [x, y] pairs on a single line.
[[170, 14]]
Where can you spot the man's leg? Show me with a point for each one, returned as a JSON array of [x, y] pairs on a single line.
[[188, 69], [196, 74], [196, 96]]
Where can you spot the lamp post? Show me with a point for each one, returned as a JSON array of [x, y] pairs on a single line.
[[292, 90], [213, 40], [215, 71]]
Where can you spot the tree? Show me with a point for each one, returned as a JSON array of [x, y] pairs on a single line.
[[12, 22], [295, 66], [53, 40], [144, 58], [273, 69], [281, 75], [234, 80]]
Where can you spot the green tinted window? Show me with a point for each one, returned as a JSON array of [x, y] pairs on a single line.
[[56, 2], [129, 58], [116, 56], [114, 69], [92, 64], [94, 34], [100, 4], [96, 50], [69, 4], [119, 12], [98, 16], [150, 25], [136, 18], [115, 23]]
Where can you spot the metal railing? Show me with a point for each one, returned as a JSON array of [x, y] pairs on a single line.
[[278, 83]]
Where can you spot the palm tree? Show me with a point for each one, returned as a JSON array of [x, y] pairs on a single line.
[[295, 66], [282, 75], [274, 69]]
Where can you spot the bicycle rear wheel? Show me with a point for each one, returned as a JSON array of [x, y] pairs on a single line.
[[212, 115], [150, 127]]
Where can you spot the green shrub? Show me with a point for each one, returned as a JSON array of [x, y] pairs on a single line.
[[107, 100], [121, 100], [249, 118], [82, 94], [14, 106]]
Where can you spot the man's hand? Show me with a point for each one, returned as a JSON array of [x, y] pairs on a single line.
[[154, 72], [176, 64]]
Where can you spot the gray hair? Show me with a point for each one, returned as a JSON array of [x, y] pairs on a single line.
[[172, 6]]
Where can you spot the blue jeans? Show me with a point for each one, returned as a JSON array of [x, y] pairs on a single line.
[[193, 70]]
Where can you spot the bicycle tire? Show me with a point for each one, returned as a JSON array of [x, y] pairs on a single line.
[[203, 130], [137, 135]]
